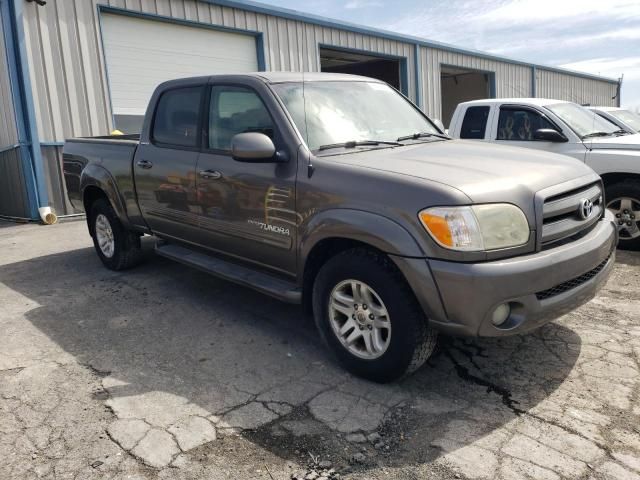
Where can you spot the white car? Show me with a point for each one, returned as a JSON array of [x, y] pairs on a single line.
[[570, 129], [622, 118]]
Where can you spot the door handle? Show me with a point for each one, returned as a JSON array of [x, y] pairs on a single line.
[[146, 164], [210, 174]]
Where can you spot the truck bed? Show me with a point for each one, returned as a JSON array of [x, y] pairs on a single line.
[[109, 155]]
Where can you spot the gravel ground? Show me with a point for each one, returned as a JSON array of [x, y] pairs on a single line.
[[165, 372]]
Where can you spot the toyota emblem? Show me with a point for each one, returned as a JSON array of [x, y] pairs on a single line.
[[586, 207]]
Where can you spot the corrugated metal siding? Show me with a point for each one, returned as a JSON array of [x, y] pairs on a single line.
[[8, 132], [511, 80], [67, 65], [563, 86], [58, 199], [13, 195]]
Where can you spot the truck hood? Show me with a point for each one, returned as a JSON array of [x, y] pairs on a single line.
[[483, 172], [623, 142]]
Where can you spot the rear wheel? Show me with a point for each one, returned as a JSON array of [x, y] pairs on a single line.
[[623, 200], [117, 247], [369, 317]]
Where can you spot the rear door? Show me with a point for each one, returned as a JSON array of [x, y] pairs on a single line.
[[164, 168], [247, 209]]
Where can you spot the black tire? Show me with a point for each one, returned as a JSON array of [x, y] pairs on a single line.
[[127, 251], [412, 340], [631, 190]]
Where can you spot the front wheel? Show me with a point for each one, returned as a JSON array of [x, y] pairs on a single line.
[[623, 200], [369, 317]]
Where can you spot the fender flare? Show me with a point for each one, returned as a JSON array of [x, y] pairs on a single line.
[[372, 229], [96, 176]]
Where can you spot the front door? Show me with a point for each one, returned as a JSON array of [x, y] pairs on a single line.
[[516, 126], [247, 209], [164, 168]]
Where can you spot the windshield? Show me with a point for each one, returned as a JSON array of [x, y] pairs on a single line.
[[627, 117], [338, 112], [582, 120]]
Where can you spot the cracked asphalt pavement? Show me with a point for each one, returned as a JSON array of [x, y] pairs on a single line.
[[165, 372]]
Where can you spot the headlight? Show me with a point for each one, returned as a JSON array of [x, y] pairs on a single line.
[[476, 228]]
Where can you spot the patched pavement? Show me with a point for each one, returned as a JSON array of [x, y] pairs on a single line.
[[165, 372]]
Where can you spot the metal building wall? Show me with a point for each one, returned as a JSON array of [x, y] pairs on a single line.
[[576, 89], [67, 64], [8, 130], [14, 201], [13, 197], [511, 80]]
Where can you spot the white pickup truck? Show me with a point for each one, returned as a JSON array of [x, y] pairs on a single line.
[[622, 118], [570, 129]]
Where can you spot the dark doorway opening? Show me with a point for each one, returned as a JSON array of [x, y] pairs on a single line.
[[387, 69], [461, 85]]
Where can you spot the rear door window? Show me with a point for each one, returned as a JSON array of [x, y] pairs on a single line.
[[177, 116], [474, 124], [519, 124]]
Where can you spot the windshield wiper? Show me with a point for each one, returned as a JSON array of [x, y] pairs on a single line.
[[597, 134], [621, 132], [358, 143], [416, 136]]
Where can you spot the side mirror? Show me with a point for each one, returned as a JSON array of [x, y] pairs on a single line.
[[440, 125], [253, 147], [549, 135]]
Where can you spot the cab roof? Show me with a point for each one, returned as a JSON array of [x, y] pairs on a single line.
[[281, 77], [541, 102], [606, 109]]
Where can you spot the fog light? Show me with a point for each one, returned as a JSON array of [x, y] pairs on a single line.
[[500, 314]]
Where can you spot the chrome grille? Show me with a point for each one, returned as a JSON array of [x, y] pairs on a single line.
[[561, 214]]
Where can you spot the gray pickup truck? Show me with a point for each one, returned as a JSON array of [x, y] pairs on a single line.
[[336, 192]]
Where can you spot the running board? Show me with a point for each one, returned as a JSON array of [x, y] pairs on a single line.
[[262, 282]]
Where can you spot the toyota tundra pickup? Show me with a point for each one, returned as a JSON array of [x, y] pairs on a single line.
[[336, 192]]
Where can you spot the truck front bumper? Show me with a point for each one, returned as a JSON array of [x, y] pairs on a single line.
[[537, 288]]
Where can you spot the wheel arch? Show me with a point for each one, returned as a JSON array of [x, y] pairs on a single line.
[[334, 231], [611, 178], [95, 183]]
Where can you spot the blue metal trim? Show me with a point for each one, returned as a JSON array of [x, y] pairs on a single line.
[[404, 77], [29, 110], [534, 82], [417, 71], [331, 23], [106, 67], [492, 84], [52, 144], [404, 82], [21, 96], [262, 64]]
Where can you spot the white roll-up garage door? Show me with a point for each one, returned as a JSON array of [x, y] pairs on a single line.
[[141, 53]]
